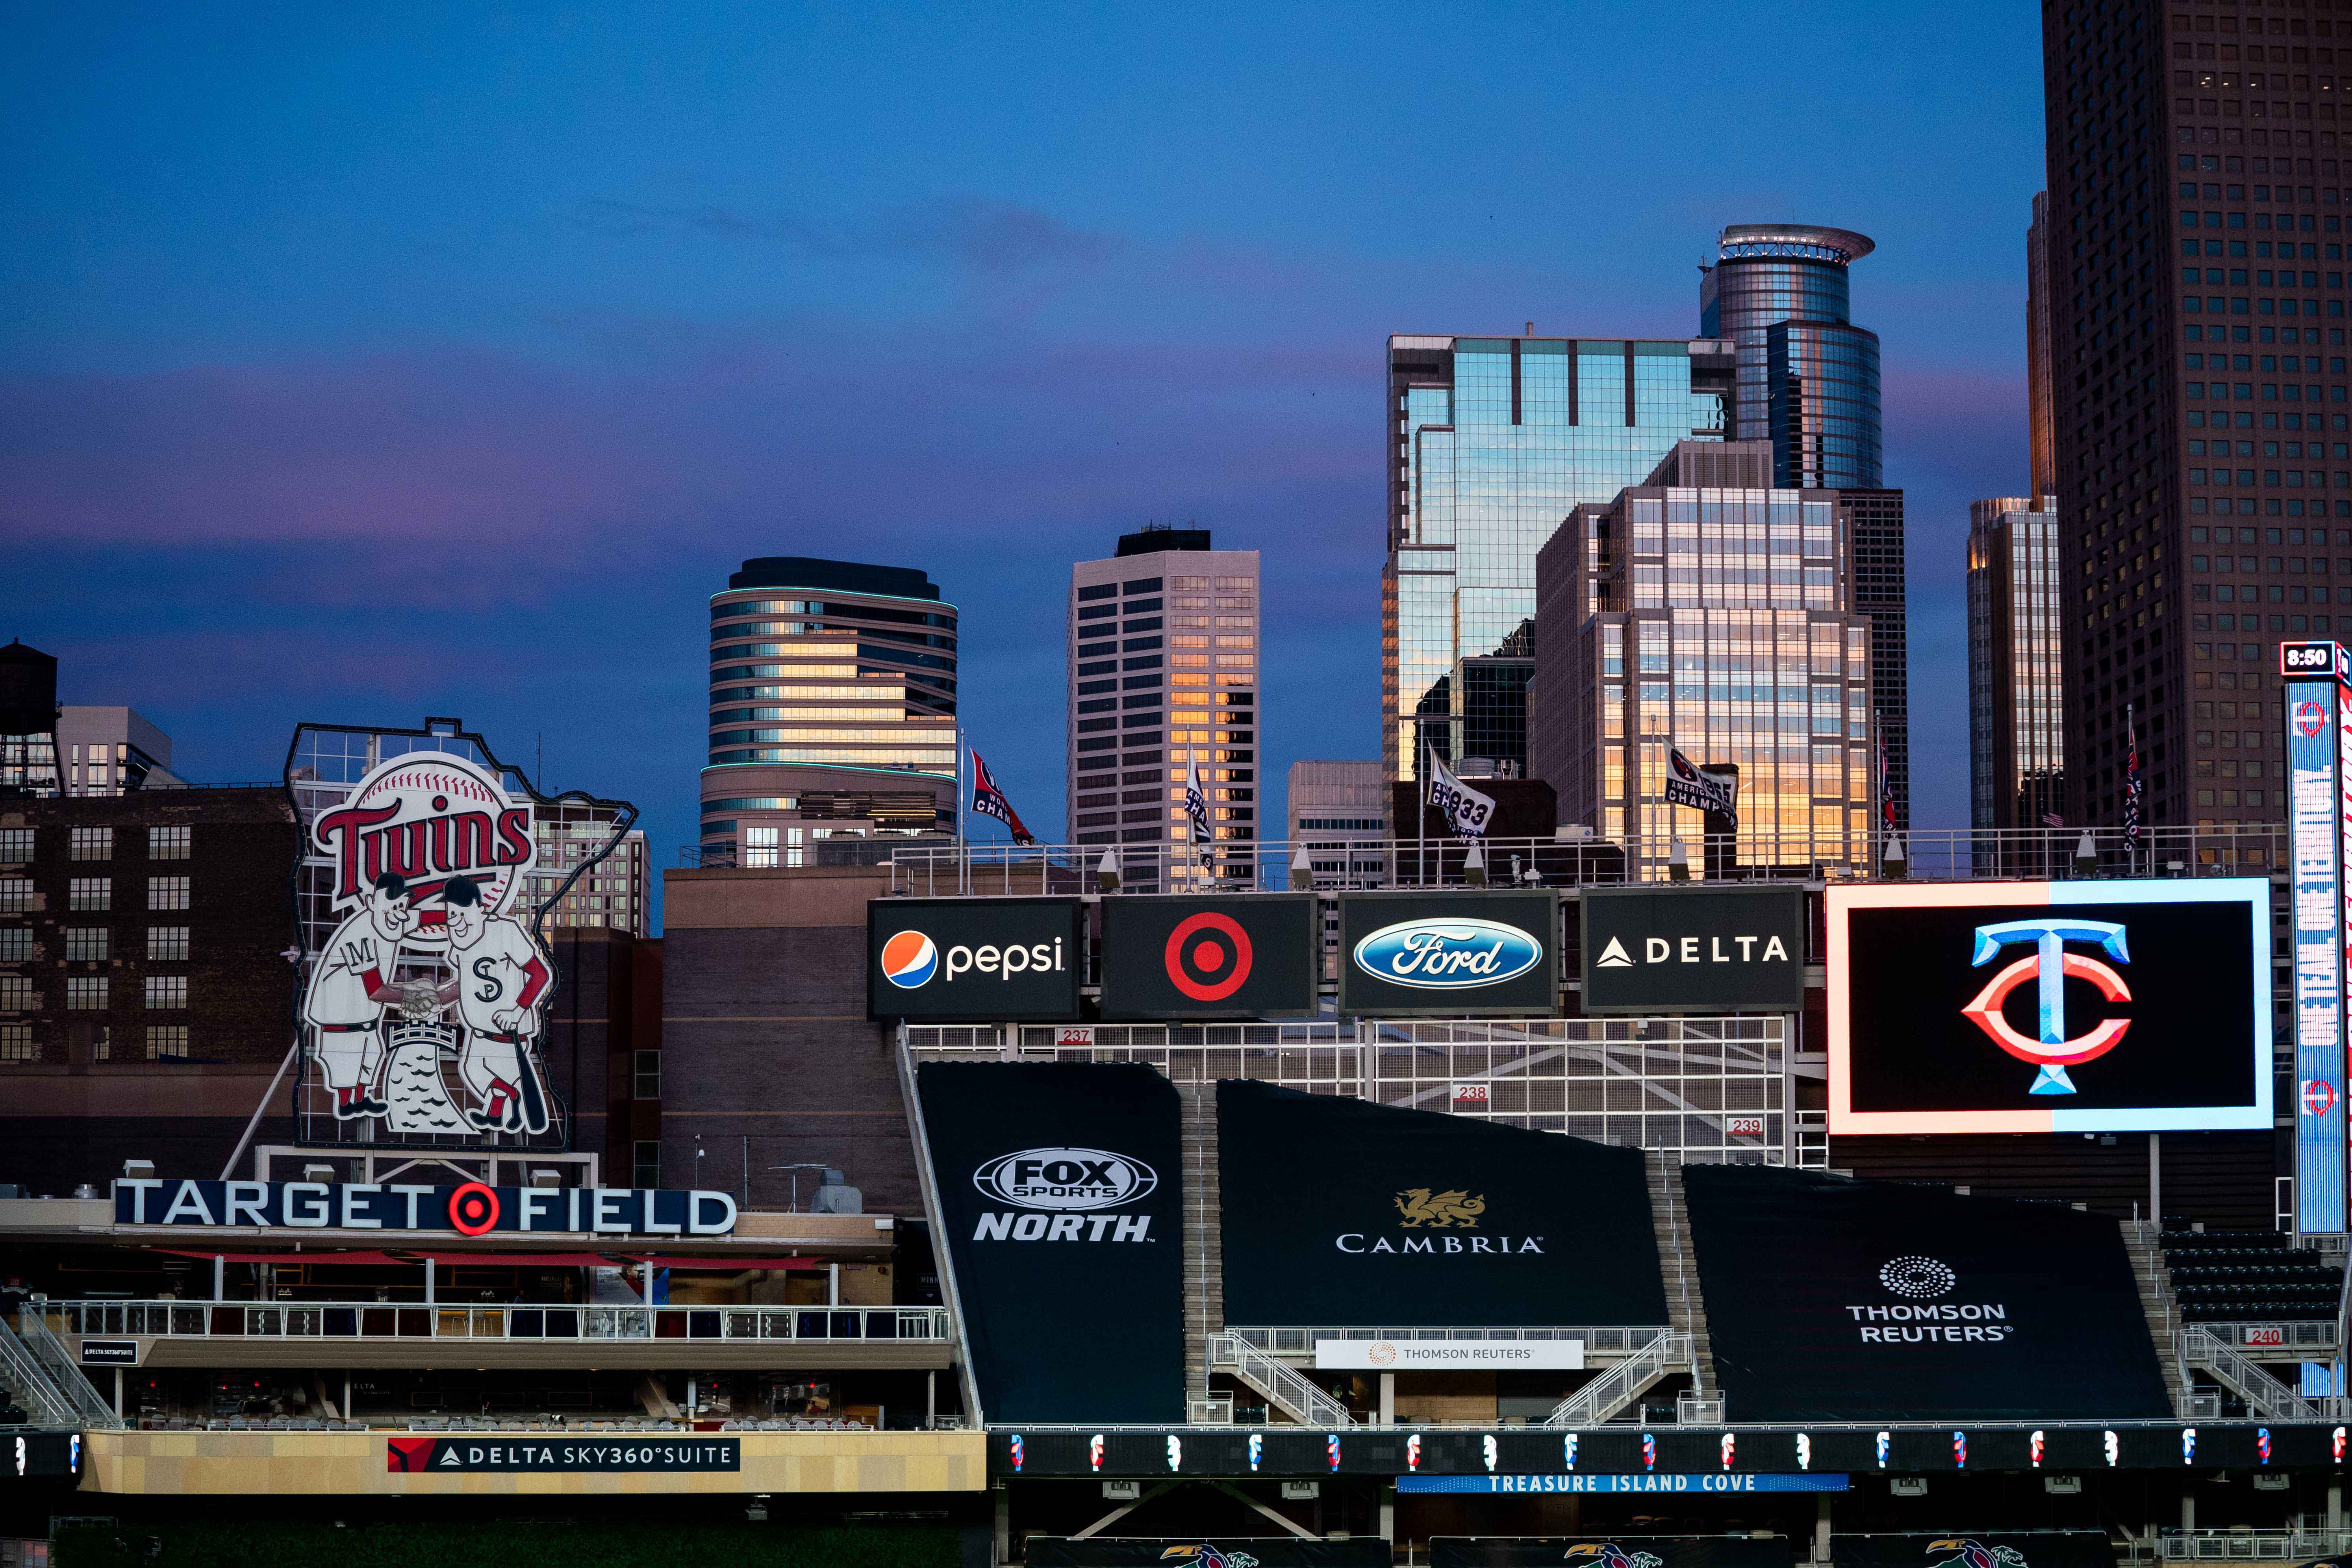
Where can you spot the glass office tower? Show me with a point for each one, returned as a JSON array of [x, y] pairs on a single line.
[[2017, 738], [1492, 442], [1808, 377]]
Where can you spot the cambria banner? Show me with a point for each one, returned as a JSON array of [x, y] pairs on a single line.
[[424, 977]]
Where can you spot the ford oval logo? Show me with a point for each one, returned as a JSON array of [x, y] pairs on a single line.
[[1448, 954], [1065, 1179]]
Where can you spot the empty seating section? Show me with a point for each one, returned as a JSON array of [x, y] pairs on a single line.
[[2244, 1276]]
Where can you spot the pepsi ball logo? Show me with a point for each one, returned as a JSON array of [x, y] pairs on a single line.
[[1202, 966], [908, 959]]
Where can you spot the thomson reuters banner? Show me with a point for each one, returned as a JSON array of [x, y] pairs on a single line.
[[1060, 1194], [1450, 953], [1833, 1299], [974, 959], [1251, 956], [2095, 1007]]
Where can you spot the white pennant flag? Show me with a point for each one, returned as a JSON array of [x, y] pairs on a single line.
[[1464, 807]]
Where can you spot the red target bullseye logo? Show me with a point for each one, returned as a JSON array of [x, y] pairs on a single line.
[[473, 1209], [1208, 957]]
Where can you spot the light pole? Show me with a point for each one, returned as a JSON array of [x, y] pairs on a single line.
[[796, 1169]]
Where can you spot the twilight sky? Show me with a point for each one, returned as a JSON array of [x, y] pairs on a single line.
[[363, 363]]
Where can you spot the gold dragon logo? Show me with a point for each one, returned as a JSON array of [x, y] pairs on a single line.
[[1440, 1211]]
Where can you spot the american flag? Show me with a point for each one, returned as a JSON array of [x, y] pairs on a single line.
[[987, 799], [1886, 786], [1196, 807], [2132, 785]]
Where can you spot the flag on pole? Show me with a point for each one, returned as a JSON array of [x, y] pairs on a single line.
[[1463, 808], [987, 799], [1196, 808], [1886, 786], [2132, 784], [1708, 789], [2051, 819]]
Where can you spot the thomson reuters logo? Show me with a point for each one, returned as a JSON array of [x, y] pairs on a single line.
[[1918, 1278], [909, 959], [1208, 956]]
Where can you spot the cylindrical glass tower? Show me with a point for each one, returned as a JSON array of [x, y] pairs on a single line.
[[1825, 427]]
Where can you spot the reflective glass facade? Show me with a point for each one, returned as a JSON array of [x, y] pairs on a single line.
[[1493, 442], [832, 697], [1724, 632], [1767, 275], [2016, 736]]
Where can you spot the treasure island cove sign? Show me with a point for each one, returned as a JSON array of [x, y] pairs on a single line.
[[426, 984]]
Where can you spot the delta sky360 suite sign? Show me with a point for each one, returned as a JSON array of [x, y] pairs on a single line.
[[2095, 1007]]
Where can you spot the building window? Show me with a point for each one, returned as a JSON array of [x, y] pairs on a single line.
[[15, 846], [16, 993], [167, 843], [89, 893], [165, 992], [101, 1043], [167, 945], [760, 847], [15, 944], [645, 1162], [167, 892], [166, 1040], [648, 1074], [87, 944], [85, 993], [16, 1043], [92, 843]]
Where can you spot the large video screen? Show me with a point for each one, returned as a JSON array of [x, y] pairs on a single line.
[[2090, 1006]]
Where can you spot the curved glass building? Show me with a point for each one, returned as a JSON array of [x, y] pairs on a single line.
[[1808, 377], [832, 702]]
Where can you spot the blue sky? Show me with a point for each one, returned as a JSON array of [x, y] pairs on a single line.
[[365, 362]]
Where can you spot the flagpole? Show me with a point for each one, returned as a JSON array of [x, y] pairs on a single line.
[[963, 846], [1421, 808]]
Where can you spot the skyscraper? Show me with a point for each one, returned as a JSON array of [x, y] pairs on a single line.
[[1808, 377], [2196, 260], [1718, 619], [1491, 443], [2040, 395], [832, 702], [1163, 640], [2017, 737]]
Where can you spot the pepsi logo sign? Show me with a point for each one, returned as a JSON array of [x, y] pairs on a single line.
[[909, 959], [1066, 1179], [1449, 954]]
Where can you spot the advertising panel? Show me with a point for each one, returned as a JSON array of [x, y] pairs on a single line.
[[1609, 1552], [426, 870], [1833, 1299], [1440, 1355], [974, 959], [508, 1456], [472, 1208], [2094, 1006], [1253, 955], [1059, 1189], [1199, 1551], [2007, 1549], [2316, 714], [1698, 949], [1453, 953], [1339, 1211]]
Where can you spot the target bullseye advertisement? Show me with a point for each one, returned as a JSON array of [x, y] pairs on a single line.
[[1247, 956], [975, 959], [2090, 1006]]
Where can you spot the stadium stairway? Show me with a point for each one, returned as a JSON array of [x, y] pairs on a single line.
[[1686, 1306], [1204, 1269], [2162, 1311]]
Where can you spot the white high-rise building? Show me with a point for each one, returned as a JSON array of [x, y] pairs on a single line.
[[1163, 690]]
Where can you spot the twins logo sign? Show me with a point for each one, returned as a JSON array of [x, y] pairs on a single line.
[[2054, 1051], [423, 1008]]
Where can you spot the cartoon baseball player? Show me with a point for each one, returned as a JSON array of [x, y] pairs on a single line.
[[502, 976], [351, 986]]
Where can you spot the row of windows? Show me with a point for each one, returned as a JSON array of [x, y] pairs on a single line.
[[94, 944], [2271, 420], [2272, 478], [92, 993], [2293, 563], [2190, 192], [94, 893], [165, 1042], [838, 607], [95, 844], [2269, 536], [2287, 249]]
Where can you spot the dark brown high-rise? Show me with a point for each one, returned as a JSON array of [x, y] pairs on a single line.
[[2197, 305]]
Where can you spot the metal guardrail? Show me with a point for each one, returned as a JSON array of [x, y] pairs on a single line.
[[1297, 1342], [2249, 1545], [1621, 1384], [1300, 1399], [2264, 1395], [934, 869], [21, 1377], [65, 1377], [380, 1320]]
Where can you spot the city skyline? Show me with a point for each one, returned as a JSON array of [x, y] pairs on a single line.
[[575, 442]]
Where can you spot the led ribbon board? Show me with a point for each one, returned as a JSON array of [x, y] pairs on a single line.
[[2317, 715]]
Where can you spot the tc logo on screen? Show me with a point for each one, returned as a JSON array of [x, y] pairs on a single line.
[[2310, 719], [908, 959], [2050, 966], [1208, 956]]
